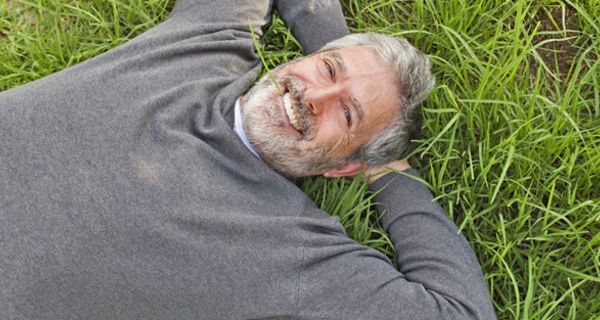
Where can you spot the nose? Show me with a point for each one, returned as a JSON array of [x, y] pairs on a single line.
[[317, 98]]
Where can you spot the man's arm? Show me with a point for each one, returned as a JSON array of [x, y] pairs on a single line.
[[314, 23], [438, 276], [430, 252]]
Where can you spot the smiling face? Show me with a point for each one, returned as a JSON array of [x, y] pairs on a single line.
[[333, 103]]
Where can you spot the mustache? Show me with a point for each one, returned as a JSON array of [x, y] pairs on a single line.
[[296, 89]]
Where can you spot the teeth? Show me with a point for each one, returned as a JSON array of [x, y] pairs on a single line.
[[287, 103]]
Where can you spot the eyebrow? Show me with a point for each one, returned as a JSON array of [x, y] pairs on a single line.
[[341, 65]]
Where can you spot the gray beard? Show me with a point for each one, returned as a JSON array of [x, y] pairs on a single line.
[[268, 132]]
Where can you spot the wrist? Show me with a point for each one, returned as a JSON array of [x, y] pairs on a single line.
[[374, 174]]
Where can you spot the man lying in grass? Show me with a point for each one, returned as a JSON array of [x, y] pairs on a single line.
[[137, 185]]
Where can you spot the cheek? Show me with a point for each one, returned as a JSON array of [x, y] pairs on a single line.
[[329, 131]]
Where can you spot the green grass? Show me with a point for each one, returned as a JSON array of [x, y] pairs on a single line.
[[513, 151]]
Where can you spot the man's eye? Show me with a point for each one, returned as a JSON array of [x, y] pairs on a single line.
[[347, 116], [330, 69]]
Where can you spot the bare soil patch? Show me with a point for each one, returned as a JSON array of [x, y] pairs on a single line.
[[562, 40]]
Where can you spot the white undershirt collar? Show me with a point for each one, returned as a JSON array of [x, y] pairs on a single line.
[[238, 127]]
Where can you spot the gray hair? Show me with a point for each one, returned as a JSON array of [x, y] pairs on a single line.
[[413, 81]]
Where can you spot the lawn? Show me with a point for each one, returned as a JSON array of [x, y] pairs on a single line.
[[512, 150]]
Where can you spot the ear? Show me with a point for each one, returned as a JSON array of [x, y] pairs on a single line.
[[346, 170]]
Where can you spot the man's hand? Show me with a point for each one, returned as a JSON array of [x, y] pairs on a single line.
[[377, 172]]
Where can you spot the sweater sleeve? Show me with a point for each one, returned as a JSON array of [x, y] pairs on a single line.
[[438, 276], [313, 22], [430, 252], [209, 16]]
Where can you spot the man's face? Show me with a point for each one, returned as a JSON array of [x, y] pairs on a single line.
[[333, 103]]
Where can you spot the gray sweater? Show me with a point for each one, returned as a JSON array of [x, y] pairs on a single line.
[[125, 194]]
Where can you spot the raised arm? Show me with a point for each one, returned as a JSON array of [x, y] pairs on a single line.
[[438, 276], [222, 15], [435, 261], [314, 23]]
